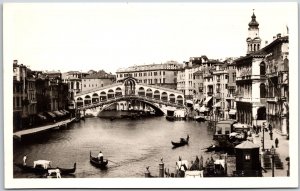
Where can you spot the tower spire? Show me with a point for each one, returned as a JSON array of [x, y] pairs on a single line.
[[253, 40]]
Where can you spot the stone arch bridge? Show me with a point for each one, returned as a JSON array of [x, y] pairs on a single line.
[[131, 92]]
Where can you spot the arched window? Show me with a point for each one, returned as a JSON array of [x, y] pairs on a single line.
[[262, 68], [261, 113], [141, 91], [254, 47], [95, 98], [262, 91], [156, 94]]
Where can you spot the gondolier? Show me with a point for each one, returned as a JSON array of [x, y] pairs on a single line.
[[100, 156], [24, 160]]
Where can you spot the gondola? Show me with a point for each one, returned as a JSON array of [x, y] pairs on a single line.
[[41, 170], [170, 118], [95, 162], [181, 143]]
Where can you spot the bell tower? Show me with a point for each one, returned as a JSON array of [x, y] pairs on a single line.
[[253, 40]]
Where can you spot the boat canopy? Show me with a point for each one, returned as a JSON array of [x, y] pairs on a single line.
[[51, 114], [44, 163], [203, 109], [180, 163]]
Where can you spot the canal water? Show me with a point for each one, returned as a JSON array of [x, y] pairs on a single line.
[[130, 146]]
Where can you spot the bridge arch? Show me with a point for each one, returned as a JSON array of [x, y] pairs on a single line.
[[103, 96], [149, 93], [172, 98], [110, 94], [79, 102], [180, 100], [156, 94], [118, 92], [87, 100], [95, 98], [141, 91], [164, 96]]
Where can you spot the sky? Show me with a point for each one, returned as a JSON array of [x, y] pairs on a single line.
[[108, 36]]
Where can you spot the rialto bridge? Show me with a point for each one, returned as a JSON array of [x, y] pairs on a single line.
[[130, 94]]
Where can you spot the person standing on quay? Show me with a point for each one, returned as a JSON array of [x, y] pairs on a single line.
[[276, 142], [24, 160]]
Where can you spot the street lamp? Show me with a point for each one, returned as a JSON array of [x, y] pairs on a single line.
[[272, 150], [263, 138], [288, 164]]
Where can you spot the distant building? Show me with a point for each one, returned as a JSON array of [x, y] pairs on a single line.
[[231, 89], [96, 80], [164, 75]]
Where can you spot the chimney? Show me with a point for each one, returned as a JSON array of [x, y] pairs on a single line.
[[15, 61], [266, 43], [278, 35], [274, 37]]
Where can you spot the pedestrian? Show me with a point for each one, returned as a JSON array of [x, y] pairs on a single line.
[[271, 135], [254, 129], [270, 127], [24, 160], [276, 142]]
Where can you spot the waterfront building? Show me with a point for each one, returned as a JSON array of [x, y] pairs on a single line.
[[97, 79], [277, 83], [24, 96], [220, 86], [164, 75], [73, 79], [251, 80], [231, 89]]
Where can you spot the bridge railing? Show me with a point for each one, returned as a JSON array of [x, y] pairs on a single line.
[[98, 89], [139, 97]]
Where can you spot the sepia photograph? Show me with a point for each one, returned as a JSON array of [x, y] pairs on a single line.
[[150, 95]]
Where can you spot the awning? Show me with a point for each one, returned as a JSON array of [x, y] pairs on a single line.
[[189, 101], [218, 104], [207, 100], [58, 113], [203, 109], [41, 116], [63, 112], [232, 112], [66, 111], [51, 114]]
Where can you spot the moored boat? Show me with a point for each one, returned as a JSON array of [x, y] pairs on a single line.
[[42, 167], [97, 163]]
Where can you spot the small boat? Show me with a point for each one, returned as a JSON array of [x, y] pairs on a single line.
[[95, 162], [199, 118], [170, 118], [42, 169], [181, 143]]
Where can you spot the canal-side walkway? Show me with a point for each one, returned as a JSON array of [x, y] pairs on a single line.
[[18, 135], [282, 151]]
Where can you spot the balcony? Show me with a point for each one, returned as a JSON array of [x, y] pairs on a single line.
[[272, 99], [33, 101], [230, 96]]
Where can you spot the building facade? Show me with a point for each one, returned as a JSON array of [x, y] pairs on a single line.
[[164, 75], [97, 79], [277, 83], [24, 97], [251, 80]]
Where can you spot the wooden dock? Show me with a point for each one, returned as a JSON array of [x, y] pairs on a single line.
[[18, 135]]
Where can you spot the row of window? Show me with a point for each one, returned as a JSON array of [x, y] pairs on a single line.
[[92, 85]]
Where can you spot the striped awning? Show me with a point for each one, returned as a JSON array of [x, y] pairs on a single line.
[[41, 116], [58, 113], [66, 111], [207, 100], [203, 109], [51, 114]]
